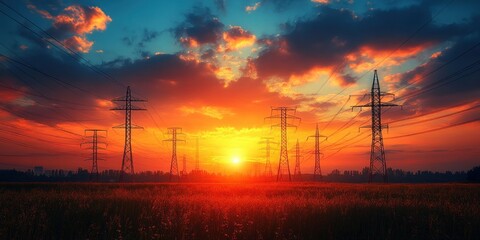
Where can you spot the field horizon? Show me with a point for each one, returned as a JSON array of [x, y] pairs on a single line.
[[239, 211]]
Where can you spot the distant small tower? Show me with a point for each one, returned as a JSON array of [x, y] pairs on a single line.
[[174, 131], [317, 171]]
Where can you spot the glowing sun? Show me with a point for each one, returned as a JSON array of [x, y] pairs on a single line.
[[236, 160]]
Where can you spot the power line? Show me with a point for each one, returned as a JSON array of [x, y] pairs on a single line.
[[70, 51], [438, 117], [435, 129]]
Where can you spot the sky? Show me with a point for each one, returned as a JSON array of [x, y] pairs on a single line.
[[216, 68]]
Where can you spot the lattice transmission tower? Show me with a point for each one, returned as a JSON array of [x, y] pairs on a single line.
[[127, 161], [174, 131], [297, 173], [268, 166], [317, 171], [284, 114], [93, 139], [378, 165]]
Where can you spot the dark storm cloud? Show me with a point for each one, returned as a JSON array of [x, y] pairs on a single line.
[[201, 26], [443, 77], [328, 38], [165, 80], [52, 100]]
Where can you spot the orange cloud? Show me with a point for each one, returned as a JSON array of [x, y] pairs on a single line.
[[9, 96], [82, 20], [189, 42], [74, 23], [43, 13], [321, 1], [253, 7], [436, 54], [236, 37], [78, 43], [225, 73], [209, 111], [367, 57], [319, 74]]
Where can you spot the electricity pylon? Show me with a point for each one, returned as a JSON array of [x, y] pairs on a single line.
[[268, 166], [378, 165], [93, 141], [174, 131], [297, 173], [127, 161], [317, 171], [284, 116]]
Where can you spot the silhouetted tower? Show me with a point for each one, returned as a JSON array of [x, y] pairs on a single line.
[[268, 166], [297, 173], [127, 161], [317, 171], [197, 156], [174, 131], [378, 165], [283, 165], [184, 165], [91, 138]]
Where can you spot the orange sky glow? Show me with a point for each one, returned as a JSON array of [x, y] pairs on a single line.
[[218, 79]]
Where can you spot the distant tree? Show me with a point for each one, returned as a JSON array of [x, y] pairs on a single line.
[[474, 174]]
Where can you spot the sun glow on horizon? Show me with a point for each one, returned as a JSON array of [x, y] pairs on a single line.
[[236, 160]]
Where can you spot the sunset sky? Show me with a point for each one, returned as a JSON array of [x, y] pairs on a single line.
[[216, 67]]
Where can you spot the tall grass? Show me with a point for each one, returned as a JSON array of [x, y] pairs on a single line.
[[239, 211]]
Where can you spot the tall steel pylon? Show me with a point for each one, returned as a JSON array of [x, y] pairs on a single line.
[[378, 165], [283, 165], [174, 131], [127, 161], [268, 166], [93, 141], [317, 171], [297, 173]]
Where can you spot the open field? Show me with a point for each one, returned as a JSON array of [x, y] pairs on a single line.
[[239, 211]]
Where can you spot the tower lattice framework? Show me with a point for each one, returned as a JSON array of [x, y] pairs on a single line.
[[128, 107], [378, 165], [174, 131], [317, 171], [284, 114], [93, 139], [268, 166]]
